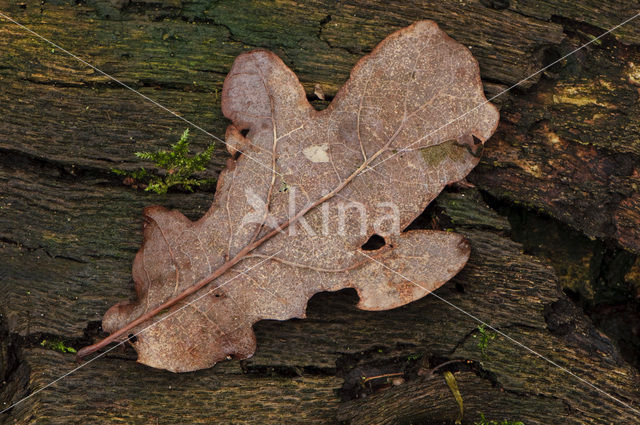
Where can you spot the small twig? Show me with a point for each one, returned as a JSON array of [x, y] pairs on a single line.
[[386, 375], [432, 371]]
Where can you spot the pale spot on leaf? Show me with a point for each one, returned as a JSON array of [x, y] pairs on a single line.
[[317, 153]]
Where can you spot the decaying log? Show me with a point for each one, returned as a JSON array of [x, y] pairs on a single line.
[[568, 145]]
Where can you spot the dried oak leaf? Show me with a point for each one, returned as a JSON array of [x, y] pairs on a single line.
[[413, 109]]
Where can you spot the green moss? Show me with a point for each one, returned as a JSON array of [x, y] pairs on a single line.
[[179, 168], [57, 346], [484, 337]]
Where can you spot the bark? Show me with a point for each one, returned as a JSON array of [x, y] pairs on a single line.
[[567, 145]]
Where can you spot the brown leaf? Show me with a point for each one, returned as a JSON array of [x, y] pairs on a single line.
[[393, 114]]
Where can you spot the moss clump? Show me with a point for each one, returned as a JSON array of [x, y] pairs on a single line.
[[57, 346], [179, 168], [484, 337]]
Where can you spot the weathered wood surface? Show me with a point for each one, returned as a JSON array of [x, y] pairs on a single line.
[[568, 145], [300, 364]]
